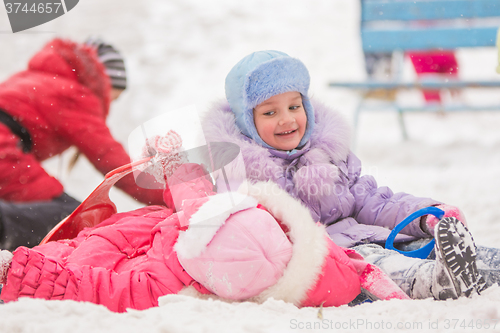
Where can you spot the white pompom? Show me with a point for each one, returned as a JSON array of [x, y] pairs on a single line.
[[5, 260]]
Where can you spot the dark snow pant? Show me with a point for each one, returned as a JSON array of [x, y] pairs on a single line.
[[27, 223]]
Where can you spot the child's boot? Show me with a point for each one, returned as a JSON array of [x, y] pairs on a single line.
[[455, 271], [5, 260]]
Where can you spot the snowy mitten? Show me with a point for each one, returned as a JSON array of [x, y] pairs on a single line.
[[455, 271], [168, 155], [429, 222], [5, 260]]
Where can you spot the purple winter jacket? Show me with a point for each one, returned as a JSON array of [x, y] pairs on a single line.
[[324, 174]]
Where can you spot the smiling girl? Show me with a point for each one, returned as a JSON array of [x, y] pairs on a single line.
[[303, 146]]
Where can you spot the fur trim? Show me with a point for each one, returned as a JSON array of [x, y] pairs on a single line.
[[204, 224], [275, 77], [308, 240], [331, 133], [255, 160]]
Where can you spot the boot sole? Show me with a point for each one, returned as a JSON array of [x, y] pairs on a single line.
[[458, 251]]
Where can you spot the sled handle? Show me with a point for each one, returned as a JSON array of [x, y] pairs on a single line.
[[425, 250]]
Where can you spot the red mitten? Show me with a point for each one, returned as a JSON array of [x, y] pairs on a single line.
[[430, 221]]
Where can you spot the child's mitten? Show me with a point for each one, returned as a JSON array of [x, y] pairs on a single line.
[[168, 155], [5, 260], [428, 222]]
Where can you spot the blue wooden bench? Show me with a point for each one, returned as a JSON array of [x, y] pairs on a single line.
[[396, 26]]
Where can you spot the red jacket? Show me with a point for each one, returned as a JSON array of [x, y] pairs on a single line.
[[62, 99]]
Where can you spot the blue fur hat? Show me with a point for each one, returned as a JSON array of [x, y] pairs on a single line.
[[260, 76]]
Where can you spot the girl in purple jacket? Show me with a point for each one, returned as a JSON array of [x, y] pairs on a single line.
[[303, 146]]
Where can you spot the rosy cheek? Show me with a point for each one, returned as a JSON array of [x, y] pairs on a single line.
[[263, 130], [270, 131]]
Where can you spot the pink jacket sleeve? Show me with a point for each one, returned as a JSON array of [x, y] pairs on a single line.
[[338, 283]]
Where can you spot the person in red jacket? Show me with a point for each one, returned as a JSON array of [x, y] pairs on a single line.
[[62, 99]]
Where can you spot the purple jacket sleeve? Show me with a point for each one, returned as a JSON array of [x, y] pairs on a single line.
[[379, 205]]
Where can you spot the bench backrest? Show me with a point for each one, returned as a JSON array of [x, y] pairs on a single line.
[[389, 25]]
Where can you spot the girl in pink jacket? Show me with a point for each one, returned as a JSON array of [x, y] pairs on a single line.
[[252, 244]]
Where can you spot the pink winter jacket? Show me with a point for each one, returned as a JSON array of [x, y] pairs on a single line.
[[129, 260], [126, 262]]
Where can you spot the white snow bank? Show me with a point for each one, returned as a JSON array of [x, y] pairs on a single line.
[[179, 314], [178, 53]]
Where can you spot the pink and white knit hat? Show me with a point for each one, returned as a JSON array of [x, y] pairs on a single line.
[[235, 251]]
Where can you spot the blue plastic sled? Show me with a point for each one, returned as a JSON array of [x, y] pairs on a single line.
[[425, 250]]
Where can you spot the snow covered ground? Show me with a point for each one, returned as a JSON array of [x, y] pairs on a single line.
[[178, 53]]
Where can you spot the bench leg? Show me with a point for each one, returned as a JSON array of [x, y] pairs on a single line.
[[356, 124], [402, 124]]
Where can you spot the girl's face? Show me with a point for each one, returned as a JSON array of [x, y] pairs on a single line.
[[281, 120]]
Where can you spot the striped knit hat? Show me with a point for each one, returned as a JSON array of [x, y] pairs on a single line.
[[112, 61]]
